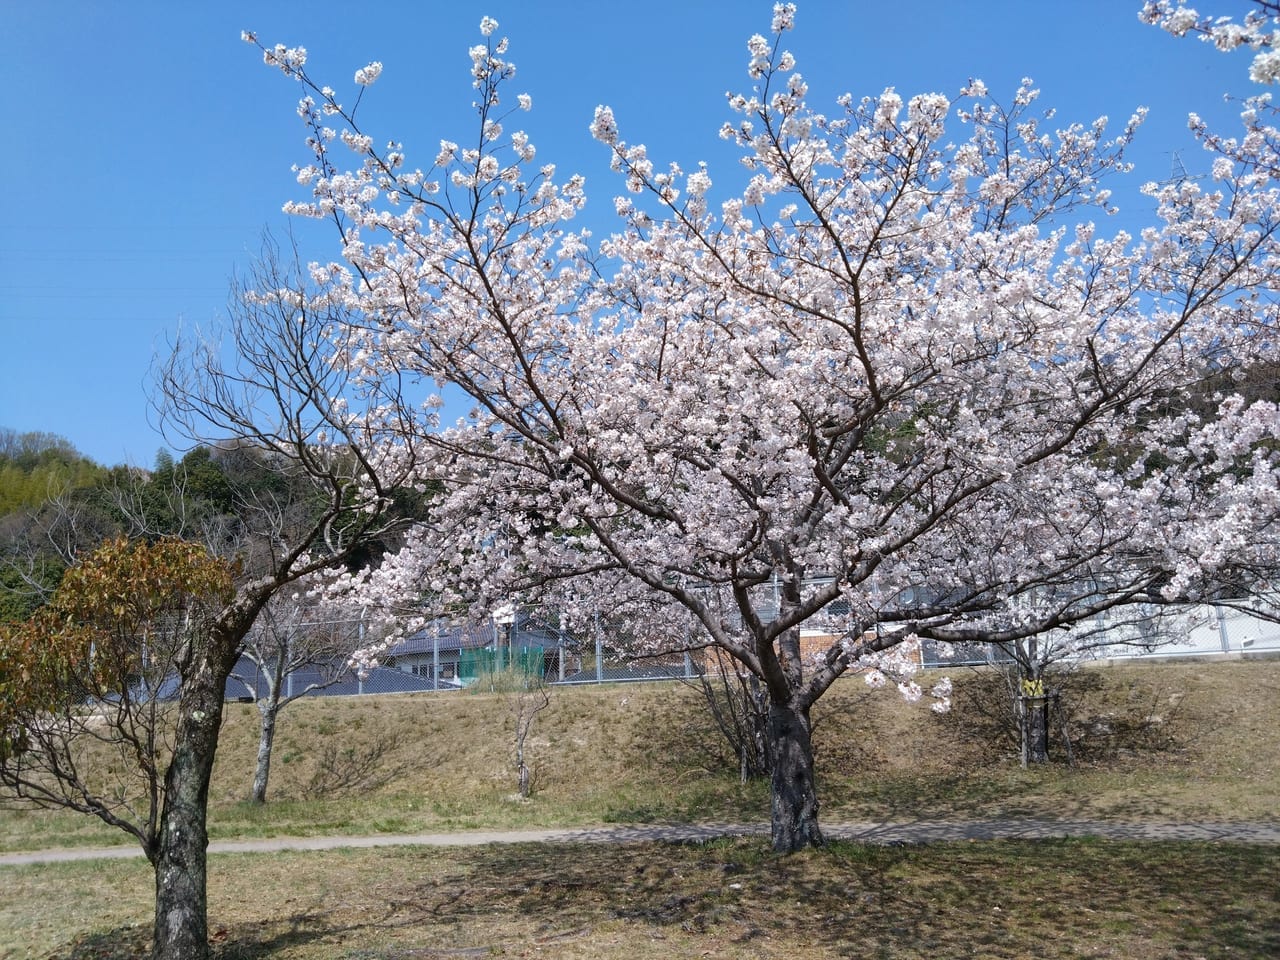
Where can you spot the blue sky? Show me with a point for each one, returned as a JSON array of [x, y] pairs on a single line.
[[146, 147]]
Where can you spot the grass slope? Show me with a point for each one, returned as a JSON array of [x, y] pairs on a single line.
[[1168, 741]]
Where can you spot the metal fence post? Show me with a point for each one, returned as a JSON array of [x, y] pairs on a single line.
[[360, 673], [1222, 629], [599, 652]]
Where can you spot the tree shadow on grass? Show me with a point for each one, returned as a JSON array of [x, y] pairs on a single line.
[[122, 943], [734, 897], [227, 942], [1043, 898], [907, 796]]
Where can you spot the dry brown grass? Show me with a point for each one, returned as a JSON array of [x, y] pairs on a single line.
[[642, 753], [729, 898], [1170, 741]]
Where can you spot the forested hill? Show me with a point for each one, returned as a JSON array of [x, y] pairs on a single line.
[[38, 466], [55, 503]]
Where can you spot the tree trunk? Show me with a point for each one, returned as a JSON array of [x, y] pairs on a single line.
[[180, 848], [266, 738], [1033, 715], [1035, 730], [795, 796]]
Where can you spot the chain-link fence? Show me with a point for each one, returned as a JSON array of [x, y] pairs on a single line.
[[1145, 631], [445, 656]]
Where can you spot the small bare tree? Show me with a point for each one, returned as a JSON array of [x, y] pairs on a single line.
[[291, 637], [529, 699], [739, 709], [1036, 669]]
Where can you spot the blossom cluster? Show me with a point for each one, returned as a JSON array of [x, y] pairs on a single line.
[[1256, 31], [366, 75]]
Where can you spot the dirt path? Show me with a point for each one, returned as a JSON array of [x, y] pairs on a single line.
[[917, 831]]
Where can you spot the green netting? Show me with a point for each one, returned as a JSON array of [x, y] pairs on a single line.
[[475, 663]]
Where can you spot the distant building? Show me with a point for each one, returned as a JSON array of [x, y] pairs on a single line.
[[455, 653]]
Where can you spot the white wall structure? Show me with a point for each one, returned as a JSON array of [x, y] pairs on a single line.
[[1176, 631]]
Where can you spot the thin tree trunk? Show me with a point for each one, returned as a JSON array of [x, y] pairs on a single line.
[[740, 709], [1035, 729], [266, 740], [1033, 716], [795, 796], [179, 854]]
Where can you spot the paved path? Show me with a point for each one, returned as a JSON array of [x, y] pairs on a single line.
[[915, 831]]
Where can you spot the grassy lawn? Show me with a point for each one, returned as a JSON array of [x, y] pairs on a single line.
[[1177, 741], [727, 898]]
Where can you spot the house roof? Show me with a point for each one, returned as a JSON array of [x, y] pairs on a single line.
[[526, 632], [384, 680], [452, 636], [375, 680]]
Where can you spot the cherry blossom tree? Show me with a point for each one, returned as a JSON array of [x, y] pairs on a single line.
[[894, 382]]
